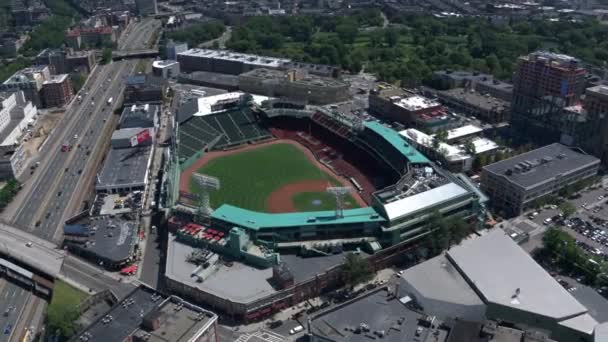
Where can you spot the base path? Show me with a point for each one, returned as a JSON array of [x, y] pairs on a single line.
[[284, 194]]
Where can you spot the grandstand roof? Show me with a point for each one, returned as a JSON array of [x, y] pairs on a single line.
[[205, 104], [258, 220], [423, 201], [398, 143]]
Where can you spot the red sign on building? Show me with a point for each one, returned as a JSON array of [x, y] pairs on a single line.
[[140, 137]]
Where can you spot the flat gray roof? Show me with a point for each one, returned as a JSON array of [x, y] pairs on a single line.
[[442, 291], [114, 238], [541, 165], [378, 311], [43, 256], [124, 167], [497, 267], [239, 283]]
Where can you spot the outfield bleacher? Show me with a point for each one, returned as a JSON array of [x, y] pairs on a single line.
[[235, 127]]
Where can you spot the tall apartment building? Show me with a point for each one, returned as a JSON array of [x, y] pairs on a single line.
[[543, 84], [16, 114], [54, 58], [596, 107], [146, 7], [30, 81], [80, 61], [144, 89], [173, 48], [515, 184], [57, 91]]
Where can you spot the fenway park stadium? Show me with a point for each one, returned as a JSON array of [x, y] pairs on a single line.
[[287, 188]]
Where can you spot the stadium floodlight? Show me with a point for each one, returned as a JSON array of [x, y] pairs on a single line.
[[207, 184], [339, 192]]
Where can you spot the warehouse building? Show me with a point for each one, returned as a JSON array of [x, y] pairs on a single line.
[[147, 315], [295, 84], [515, 184], [491, 277], [234, 63]]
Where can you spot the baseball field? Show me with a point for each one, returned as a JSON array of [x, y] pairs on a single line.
[[274, 177]]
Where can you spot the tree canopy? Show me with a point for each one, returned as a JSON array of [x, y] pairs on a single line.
[[356, 270], [415, 44], [199, 33]]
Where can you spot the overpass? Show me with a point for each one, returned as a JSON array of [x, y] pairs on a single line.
[[141, 53], [29, 260], [40, 255], [36, 263]]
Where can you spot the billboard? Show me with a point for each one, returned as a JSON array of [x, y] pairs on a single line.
[[140, 137]]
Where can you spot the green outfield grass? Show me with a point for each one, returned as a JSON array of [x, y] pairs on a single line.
[[313, 201], [248, 178]]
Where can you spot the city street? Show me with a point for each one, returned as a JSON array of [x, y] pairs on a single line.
[[45, 200]]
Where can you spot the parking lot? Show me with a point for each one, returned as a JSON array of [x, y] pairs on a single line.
[[588, 226]]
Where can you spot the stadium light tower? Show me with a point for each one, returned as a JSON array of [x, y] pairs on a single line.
[[207, 184], [339, 192]]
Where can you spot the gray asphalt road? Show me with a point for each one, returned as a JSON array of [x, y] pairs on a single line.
[[13, 299], [52, 186]]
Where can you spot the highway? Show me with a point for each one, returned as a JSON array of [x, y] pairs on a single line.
[[44, 202]]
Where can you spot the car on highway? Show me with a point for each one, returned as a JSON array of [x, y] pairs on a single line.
[[7, 329]]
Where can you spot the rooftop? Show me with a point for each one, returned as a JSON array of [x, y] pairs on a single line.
[[403, 204], [56, 79], [437, 286], [112, 238], [556, 59], [213, 104], [308, 79], [541, 165], [485, 101], [179, 321], [28, 75], [240, 283], [237, 57], [215, 78], [414, 103], [393, 138], [163, 63], [463, 131], [601, 90], [139, 116], [507, 275], [125, 167], [380, 312], [258, 220]]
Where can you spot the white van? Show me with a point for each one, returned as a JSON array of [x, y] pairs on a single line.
[[296, 330]]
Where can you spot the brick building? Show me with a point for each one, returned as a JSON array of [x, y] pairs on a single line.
[[57, 91], [543, 84]]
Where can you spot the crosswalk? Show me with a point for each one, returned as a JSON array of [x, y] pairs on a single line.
[[261, 335]]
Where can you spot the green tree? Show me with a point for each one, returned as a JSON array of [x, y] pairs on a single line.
[[567, 208], [347, 31], [469, 147], [356, 270], [441, 135], [391, 36], [106, 56]]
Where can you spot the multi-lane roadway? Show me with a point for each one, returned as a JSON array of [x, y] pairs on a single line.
[[45, 198]]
